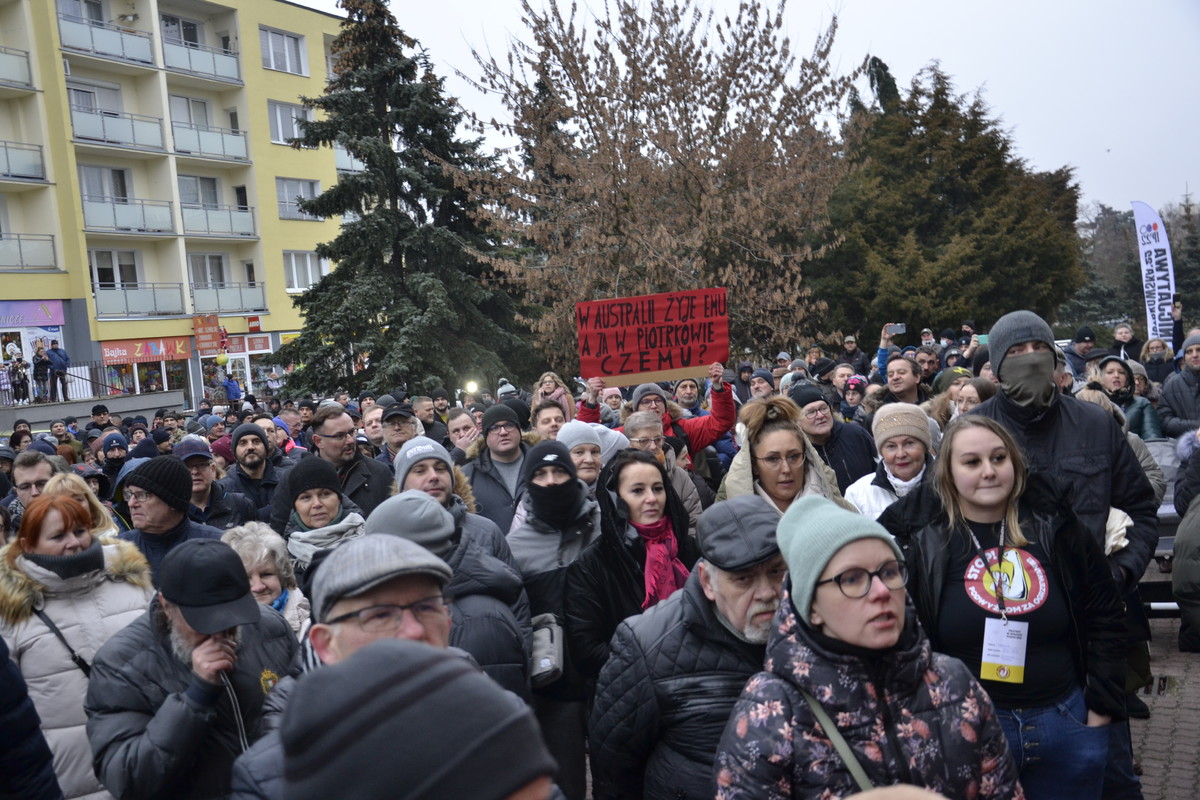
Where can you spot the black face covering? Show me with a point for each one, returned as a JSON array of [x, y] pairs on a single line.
[[1028, 379], [557, 504]]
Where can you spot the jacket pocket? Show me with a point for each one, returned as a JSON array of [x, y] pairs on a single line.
[[1089, 478]]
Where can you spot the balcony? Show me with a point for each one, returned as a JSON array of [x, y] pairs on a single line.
[[27, 251], [139, 300], [117, 128], [209, 62], [14, 68], [205, 140], [19, 161], [228, 298], [344, 162], [127, 215], [212, 220], [290, 209], [105, 39]]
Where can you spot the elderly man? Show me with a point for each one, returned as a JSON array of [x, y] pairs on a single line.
[[847, 447], [676, 671], [253, 476], [399, 425], [31, 471], [762, 383], [375, 587], [174, 697], [159, 493], [211, 504]]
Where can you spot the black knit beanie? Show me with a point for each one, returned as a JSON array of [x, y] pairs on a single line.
[[499, 413], [248, 429], [166, 478], [547, 454], [311, 473]]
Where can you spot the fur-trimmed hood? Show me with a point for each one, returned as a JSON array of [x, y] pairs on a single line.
[[462, 489], [20, 593], [674, 411]]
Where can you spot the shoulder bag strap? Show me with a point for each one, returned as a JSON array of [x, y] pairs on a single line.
[[75, 657], [839, 742]]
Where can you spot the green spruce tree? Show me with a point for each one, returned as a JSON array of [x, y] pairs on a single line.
[[412, 300]]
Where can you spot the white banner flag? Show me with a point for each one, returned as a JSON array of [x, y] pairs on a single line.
[[1157, 270]]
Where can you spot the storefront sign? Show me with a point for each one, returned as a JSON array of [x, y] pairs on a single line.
[[256, 344], [138, 351], [208, 334], [30, 313], [254, 323]]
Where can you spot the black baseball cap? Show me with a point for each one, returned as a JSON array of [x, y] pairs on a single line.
[[207, 580], [398, 410]]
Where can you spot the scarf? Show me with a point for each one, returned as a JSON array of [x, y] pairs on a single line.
[[280, 602], [304, 544], [902, 488], [1029, 379], [89, 560], [664, 571]]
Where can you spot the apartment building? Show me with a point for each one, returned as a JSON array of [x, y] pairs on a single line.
[[146, 185]]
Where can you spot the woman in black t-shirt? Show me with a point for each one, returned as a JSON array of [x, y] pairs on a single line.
[[1047, 644]]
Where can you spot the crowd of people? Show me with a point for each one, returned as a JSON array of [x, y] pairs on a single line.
[[806, 580]]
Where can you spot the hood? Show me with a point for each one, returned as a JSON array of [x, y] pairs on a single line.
[[477, 572], [818, 475], [20, 594], [464, 495], [673, 412]]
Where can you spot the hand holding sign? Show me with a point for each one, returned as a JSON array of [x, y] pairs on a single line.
[[716, 373], [596, 387]]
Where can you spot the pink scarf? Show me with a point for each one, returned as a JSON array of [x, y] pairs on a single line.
[[664, 571]]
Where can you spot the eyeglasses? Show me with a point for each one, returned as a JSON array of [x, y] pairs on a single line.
[[336, 437], [27, 487], [823, 411], [652, 400], [401, 422], [502, 427], [776, 461], [137, 497], [856, 582], [199, 467], [646, 440], [387, 618]]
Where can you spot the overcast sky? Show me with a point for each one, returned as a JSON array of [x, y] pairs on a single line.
[[1108, 87]]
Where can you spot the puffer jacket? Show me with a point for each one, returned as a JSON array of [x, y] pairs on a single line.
[[260, 492], [663, 699], [152, 735], [920, 526], [491, 493], [871, 494], [26, 766], [225, 509], [607, 582], [909, 715], [1179, 403], [486, 594], [1140, 418], [88, 609], [819, 477]]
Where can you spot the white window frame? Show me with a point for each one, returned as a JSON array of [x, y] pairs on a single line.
[[287, 190], [107, 95], [208, 261], [200, 181], [119, 282], [192, 105], [162, 19], [295, 48], [106, 175], [284, 115], [302, 267]]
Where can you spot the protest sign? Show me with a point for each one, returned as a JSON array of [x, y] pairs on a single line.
[[656, 337], [1157, 270]]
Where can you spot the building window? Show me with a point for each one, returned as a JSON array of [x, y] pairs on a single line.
[[289, 190], [282, 51], [207, 269], [182, 31], [195, 190], [285, 121], [114, 269], [302, 269], [189, 110]]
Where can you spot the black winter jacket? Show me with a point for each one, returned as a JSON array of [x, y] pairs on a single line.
[[155, 546], [1179, 403], [663, 698], [225, 509], [1082, 446], [491, 494], [152, 733], [259, 492], [919, 523], [607, 583], [850, 451], [26, 766]]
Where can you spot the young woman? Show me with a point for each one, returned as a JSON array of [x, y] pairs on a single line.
[[977, 390], [843, 641], [551, 387], [1005, 578], [1159, 360], [1114, 377]]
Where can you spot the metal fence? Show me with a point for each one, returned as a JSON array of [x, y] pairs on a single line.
[[88, 381]]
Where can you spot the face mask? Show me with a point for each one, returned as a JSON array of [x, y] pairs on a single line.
[[555, 504], [1028, 379]]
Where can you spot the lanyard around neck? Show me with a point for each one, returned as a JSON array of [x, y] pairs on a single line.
[[997, 570]]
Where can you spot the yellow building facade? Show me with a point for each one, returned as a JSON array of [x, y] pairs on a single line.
[[145, 182]]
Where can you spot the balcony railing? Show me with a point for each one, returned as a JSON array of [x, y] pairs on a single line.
[[104, 39], [127, 214], [23, 161], [200, 60], [14, 67], [344, 162], [218, 220], [115, 127], [138, 299], [27, 251], [228, 298], [209, 141], [290, 209]]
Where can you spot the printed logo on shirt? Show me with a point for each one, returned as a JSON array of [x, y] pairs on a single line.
[[1022, 578]]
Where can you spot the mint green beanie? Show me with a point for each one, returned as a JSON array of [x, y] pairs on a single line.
[[810, 534]]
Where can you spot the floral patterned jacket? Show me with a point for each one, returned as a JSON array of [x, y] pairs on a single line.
[[910, 716]]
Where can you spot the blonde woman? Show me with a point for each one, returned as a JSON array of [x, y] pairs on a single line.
[[272, 579], [551, 387], [74, 486]]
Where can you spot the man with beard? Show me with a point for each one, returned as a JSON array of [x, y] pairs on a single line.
[[1081, 445], [31, 471], [441, 405], [173, 698], [253, 475], [676, 671], [159, 492]]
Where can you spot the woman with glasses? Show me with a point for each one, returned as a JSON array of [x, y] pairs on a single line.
[[1004, 577], [776, 460], [852, 695], [1158, 359], [552, 388], [902, 439]]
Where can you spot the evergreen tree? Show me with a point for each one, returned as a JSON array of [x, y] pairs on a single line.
[[412, 300], [941, 222]]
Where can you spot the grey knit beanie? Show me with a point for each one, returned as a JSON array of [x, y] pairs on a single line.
[[1016, 327], [417, 449], [810, 534], [417, 517], [645, 390], [575, 433]]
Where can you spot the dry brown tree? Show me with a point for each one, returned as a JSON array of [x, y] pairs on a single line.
[[662, 148]]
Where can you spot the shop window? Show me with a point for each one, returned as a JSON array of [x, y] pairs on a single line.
[[150, 377], [177, 377]]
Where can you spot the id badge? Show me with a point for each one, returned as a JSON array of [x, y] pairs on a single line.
[[1004, 650]]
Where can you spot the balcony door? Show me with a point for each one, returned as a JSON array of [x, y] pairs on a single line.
[[182, 31], [89, 10], [114, 269], [198, 191], [207, 269], [189, 110], [109, 183]]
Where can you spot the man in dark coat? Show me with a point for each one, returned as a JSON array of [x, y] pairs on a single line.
[[495, 473], [666, 692], [211, 503], [365, 481], [175, 697], [26, 765], [159, 492], [1179, 405], [1080, 444], [253, 476]]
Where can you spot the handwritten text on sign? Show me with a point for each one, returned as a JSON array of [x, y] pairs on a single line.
[[653, 337]]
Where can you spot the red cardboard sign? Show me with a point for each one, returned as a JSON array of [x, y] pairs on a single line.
[[654, 337]]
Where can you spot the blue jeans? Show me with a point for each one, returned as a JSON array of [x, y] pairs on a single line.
[[1058, 756]]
